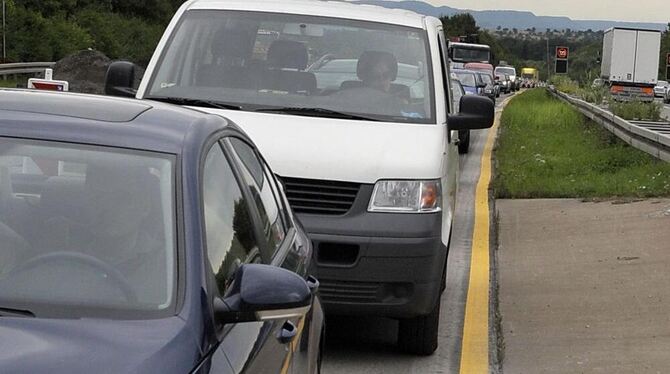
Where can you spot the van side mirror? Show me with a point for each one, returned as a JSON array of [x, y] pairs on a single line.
[[120, 79], [263, 293], [477, 112]]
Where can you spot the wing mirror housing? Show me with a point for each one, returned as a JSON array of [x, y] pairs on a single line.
[[120, 79], [263, 293], [477, 112]]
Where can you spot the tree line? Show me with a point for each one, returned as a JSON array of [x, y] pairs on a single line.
[[538, 52], [48, 30]]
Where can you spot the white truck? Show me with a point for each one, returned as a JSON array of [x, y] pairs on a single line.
[[630, 62]]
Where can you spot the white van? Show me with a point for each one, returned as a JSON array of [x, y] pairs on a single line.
[[350, 105]]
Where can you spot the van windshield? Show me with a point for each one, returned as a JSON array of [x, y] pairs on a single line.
[[298, 64]]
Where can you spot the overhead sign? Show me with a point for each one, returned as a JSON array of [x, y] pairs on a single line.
[[562, 53]]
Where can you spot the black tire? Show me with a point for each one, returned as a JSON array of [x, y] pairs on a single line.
[[464, 142], [418, 335]]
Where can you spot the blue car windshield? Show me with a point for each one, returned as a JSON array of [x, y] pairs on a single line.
[[86, 231]]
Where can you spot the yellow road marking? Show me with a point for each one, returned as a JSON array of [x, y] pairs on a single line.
[[475, 344]]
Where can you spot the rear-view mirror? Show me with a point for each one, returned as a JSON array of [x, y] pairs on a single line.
[[477, 112]]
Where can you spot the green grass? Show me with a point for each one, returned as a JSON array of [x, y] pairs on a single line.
[[548, 150], [636, 110], [8, 83]]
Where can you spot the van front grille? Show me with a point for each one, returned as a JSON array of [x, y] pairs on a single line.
[[320, 196]]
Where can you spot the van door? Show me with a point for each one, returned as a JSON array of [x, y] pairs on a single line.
[[451, 158]]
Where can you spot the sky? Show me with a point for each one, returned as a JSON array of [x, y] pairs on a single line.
[[617, 10]]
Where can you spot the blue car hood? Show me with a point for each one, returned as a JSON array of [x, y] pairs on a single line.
[[29, 345]]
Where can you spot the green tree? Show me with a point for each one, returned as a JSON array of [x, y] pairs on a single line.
[[459, 25]]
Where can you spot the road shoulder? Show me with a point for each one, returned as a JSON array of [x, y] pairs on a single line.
[[584, 285]]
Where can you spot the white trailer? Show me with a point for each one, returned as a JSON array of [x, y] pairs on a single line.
[[630, 62]]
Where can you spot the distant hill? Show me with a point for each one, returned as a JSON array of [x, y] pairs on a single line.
[[491, 19]]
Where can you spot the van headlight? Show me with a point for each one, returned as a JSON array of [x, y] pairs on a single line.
[[406, 197]]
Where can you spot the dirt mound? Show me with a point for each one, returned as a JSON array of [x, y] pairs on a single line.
[[85, 71]]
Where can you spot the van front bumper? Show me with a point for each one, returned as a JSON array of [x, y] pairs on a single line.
[[383, 264]]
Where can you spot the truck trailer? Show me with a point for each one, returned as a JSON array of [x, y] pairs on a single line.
[[630, 62]]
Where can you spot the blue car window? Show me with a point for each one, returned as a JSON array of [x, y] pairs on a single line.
[[229, 228], [262, 191]]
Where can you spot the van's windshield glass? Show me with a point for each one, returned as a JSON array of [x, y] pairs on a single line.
[[295, 63]]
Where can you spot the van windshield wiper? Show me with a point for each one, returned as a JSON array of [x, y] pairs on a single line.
[[318, 112], [12, 312], [196, 102]]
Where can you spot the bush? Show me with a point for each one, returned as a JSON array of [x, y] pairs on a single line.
[[637, 110], [593, 95], [565, 84]]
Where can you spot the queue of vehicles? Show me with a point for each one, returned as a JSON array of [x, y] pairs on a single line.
[[348, 175]]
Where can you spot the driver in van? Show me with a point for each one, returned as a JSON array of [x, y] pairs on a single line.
[[377, 70]]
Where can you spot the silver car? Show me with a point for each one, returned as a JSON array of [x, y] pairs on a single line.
[[661, 88]]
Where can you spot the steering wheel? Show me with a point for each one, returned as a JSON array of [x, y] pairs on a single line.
[[83, 259]]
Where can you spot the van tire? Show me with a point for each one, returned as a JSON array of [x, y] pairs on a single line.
[[464, 143], [418, 335]]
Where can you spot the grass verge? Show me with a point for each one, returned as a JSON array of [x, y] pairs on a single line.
[[549, 150], [11, 83]]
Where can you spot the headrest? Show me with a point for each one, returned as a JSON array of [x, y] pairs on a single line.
[[228, 42], [287, 54], [370, 59]]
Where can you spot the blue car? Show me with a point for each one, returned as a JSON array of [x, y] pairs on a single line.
[[471, 81], [139, 237]]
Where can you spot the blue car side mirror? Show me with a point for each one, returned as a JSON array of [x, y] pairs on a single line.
[[263, 292]]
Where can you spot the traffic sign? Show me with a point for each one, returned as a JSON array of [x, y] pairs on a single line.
[[561, 66], [562, 53], [47, 85], [667, 59]]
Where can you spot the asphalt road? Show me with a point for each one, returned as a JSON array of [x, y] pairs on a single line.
[[368, 345]]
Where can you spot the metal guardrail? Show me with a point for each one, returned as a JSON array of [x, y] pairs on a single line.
[[25, 68], [650, 137]]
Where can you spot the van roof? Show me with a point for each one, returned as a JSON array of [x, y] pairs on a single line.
[[336, 9]]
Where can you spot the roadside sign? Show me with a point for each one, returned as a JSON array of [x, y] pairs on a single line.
[[47, 85], [561, 67], [667, 59], [562, 53]]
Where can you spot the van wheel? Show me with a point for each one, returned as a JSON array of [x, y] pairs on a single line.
[[418, 335]]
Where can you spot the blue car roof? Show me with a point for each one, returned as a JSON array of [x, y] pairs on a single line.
[[103, 120]]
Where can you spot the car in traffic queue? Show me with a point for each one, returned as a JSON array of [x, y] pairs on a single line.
[[370, 164], [661, 88], [509, 71], [488, 86], [486, 68], [458, 92], [141, 237]]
